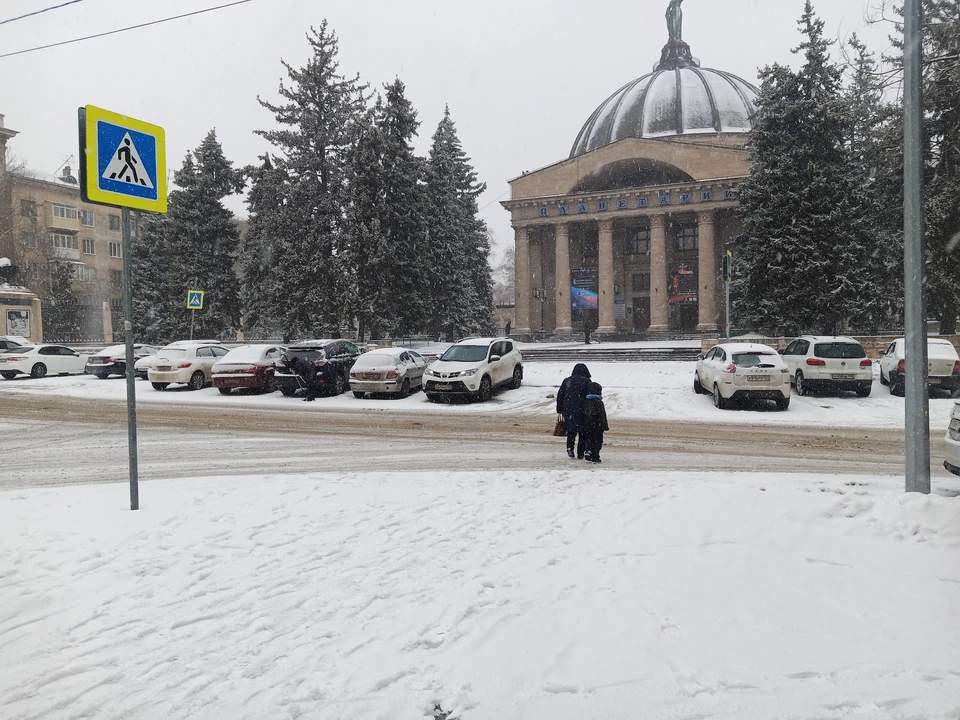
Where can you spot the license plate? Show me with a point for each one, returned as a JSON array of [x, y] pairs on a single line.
[[369, 376], [844, 376], [163, 368], [758, 378], [444, 387]]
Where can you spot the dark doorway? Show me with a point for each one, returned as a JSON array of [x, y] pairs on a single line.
[[641, 314], [685, 316]]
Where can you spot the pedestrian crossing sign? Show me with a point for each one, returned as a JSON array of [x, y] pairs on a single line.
[[123, 161], [194, 299]]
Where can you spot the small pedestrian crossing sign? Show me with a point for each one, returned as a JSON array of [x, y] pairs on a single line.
[[123, 161], [195, 300]]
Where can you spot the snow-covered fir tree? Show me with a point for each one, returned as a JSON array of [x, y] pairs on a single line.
[[804, 241], [460, 282], [193, 246], [315, 116]]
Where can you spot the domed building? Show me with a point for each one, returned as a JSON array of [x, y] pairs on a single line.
[[628, 233]]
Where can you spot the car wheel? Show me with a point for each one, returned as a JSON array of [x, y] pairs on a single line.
[[802, 389], [697, 387], [102, 375], [883, 380], [517, 377], [486, 389], [8, 374], [224, 391], [718, 400], [197, 380], [160, 386], [896, 385], [955, 393], [38, 370], [405, 388], [864, 390], [287, 391], [783, 404], [359, 395], [337, 385]]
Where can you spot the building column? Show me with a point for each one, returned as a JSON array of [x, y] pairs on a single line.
[[707, 273], [564, 324], [606, 322], [522, 279], [107, 313], [658, 274]]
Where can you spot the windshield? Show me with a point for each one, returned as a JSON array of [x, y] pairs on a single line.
[[113, 350], [839, 351], [246, 353], [375, 359], [17, 350], [172, 353], [754, 359], [465, 353]]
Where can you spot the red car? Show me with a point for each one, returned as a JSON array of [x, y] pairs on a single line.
[[247, 366]]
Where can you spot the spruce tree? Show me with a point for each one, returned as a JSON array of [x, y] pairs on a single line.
[[461, 288], [315, 118], [804, 244]]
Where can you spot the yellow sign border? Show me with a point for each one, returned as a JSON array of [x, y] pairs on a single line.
[[191, 292], [94, 193]]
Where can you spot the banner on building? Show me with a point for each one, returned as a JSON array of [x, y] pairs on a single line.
[[584, 289], [683, 283]]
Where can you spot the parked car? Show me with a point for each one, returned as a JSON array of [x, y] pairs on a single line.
[[387, 370], [191, 364], [952, 462], [743, 371], [840, 363], [141, 366], [943, 366], [247, 366], [324, 365], [113, 360], [8, 342], [473, 368], [40, 360]]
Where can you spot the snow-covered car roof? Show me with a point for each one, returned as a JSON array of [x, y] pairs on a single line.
[[247, 353], [479, 341], [311, 343], [830, 338], [392, 351], [746, 347], [16, 339]]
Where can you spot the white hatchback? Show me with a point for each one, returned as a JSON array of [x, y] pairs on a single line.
[[943, 366], [40, 360], [189, 364], [743, 371], [834, 362], [952, 462]]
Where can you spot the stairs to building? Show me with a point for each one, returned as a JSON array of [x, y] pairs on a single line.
[[600, 354]]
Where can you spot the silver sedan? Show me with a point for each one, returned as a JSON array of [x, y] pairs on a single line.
[[387, 370]]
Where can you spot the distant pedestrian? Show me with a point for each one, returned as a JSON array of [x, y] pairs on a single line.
[[594, 423], [570, 399], [506, 330]]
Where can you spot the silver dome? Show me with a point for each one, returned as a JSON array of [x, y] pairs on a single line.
[[671, 102]]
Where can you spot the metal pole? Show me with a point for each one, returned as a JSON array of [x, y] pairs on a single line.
[[917, 404], [193, 315], [728, 309], [131, 375]]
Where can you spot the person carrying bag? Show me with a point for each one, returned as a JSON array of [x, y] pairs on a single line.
[[570, 399]]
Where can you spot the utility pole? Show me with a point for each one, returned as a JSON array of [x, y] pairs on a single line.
[[728, 272], [917, 403]]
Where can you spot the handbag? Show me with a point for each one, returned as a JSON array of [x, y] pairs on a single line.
[[560, 429]]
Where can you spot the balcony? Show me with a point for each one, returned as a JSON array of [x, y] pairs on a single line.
[[66, 253], [60, 223]]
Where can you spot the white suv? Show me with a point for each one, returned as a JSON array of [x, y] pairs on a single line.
[[474, 367], [836, 362]]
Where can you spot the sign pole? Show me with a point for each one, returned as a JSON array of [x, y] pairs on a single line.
[[917, 403], [193, 315], [131, 375]]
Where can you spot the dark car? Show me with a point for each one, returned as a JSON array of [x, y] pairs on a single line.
[[8, 342], [319, 367], [113, 360]]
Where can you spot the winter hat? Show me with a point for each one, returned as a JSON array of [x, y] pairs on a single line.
[[581, 370], [595, 388]]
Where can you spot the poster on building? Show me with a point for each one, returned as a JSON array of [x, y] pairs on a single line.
[[18, 323], [584, 289], [683, 283], [620, 310]]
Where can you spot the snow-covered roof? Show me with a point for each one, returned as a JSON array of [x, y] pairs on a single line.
[[480, 341], [746, 347], [829, 338]]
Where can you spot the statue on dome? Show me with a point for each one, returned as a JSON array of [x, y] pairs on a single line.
[[675, 21]]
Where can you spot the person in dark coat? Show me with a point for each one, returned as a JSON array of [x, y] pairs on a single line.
[[570, 399], [594, 423]]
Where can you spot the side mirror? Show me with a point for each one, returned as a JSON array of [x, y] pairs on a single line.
[[700, 356], [494, 358], [780, 352], [882, 353]]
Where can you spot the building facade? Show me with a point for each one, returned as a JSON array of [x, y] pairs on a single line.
[[628, 233]]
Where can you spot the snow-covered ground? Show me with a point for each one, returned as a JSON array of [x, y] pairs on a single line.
[[580, 594], [646, 390]]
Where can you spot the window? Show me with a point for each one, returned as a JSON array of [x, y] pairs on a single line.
[[86, 218], [219, 351], [638, 241], [839, 351], [85, 273], [116, 249], [28, 239], [204, 352], [89, 246], [689, 239], [68, 212], [28, 208], [116, 277], [64, 240], [115, 223], [641, 283]]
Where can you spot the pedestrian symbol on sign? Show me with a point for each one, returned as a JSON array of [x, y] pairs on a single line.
[[126, 166]]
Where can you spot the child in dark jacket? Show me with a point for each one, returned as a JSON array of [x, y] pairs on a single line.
[[594, 423]]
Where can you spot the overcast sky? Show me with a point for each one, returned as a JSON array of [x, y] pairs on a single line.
[[520, 76]]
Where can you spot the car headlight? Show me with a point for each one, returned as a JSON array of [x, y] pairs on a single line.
[[469, 373], [429, 372]]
